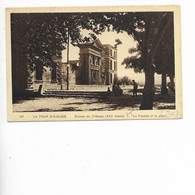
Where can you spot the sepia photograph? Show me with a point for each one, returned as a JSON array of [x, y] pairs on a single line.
[[97, 97], [94, 63]]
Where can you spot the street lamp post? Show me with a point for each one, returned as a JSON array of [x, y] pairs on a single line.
[[62, 79], [68, 61], [68, 65]]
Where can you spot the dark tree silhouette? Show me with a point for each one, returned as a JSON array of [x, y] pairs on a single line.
[[164, 59], [38, 38], [148, 29]]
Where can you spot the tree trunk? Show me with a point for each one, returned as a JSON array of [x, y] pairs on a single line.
[[53, 73], [19, 73], [172, 80], [172, 83], [148, 93], [164, 84]]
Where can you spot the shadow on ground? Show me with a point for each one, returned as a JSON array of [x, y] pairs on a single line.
[[58, 104]]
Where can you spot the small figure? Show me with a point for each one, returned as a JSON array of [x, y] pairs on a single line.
[[40, 89], [117, 90], [109, 92], [135, 86], [120, 91], [113, 86]]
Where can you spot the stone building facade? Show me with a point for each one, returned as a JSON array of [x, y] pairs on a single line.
[[90, 66], [98, 63], [55, 77], [109, 62], [49, 77]]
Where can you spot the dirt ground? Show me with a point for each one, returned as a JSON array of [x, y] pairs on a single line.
[[52, 104]]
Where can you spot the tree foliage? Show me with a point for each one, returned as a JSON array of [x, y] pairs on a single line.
[[147, 37], [41, 36], [124, 80]]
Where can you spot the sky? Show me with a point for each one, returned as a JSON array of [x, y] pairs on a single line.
[[122, 52]]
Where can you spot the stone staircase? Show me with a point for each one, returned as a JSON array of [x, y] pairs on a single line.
[[77, 94]]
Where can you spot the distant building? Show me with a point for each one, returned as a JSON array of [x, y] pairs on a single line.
[[109, 62], [90, 63], [98, 63]]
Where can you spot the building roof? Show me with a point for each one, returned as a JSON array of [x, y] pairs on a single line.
[[108, 45], [95, 43]]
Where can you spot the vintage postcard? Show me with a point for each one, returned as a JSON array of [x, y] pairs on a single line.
[[93, 63]]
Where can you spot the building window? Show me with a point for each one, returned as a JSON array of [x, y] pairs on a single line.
[[98, 61], [110, 52], [94, 77], [110, 78], [110, 64], [93, 60], [115, 66]]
